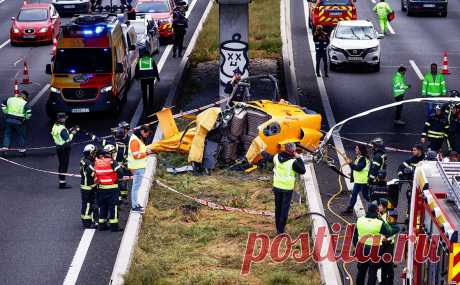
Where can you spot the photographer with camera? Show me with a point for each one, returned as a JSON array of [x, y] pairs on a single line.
[[62, 138]]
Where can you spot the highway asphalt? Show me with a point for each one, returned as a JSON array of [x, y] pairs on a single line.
[[422, 39], [40, 226]]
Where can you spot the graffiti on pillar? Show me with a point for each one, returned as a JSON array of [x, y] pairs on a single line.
[[234, 58]]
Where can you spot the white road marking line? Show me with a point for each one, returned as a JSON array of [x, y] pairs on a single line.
[[18, 61], [79, 257], [39, 94], [390, 28], [4, 44], [140, 108], [1, 1], [359, 208], [416, 69]]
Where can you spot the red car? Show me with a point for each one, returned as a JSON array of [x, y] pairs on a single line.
[[160, 11], [36, 22]]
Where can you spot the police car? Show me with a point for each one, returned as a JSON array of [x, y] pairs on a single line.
[[354, 42]]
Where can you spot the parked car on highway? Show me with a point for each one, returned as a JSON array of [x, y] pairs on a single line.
[[160, 11], [354, 42], [147, 34], [328, 13], [412, 7], [37, 22], [70, 7]]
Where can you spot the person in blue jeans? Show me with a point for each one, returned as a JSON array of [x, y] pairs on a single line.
[[16, 111], [360, 176]]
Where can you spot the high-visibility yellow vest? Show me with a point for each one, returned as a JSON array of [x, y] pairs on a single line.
[[370, 228], [434, 86], [382, 9], [136, 163], [56, 134], [15, 106], [399, 85], [361, 177], [283, 174], [145, 63]]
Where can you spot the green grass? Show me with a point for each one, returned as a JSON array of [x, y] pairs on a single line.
[[264, 33], [183, 242]]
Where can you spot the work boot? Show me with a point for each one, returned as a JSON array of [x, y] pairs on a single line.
[[318, 75], [399, 122], [325, 75], [174, 54]]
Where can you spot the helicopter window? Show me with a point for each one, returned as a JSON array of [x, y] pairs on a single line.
[[272, 129]]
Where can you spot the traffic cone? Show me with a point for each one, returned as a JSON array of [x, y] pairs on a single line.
[[25, 74], [445, 64], [16, 88]]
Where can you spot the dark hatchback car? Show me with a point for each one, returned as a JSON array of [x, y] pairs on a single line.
[[412, 7]]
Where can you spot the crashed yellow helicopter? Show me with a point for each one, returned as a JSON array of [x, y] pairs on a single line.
[[244, 129]]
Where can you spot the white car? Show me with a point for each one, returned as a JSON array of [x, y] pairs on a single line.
[[147, 34], [132, 50], [353, 42], [65, 7]]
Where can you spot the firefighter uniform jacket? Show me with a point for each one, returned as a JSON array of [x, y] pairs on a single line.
[[379, 162], [436, 128], [406, 169], [87, 174]]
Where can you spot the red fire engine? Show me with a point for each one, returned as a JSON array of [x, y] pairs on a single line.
[[435, 212]]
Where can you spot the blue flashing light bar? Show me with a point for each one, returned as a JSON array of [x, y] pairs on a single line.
[[87, 32], [99, 29]]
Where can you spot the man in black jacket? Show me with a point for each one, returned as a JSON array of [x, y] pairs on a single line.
[[379, 159], [88, 187], [286, 164], [454, 130], [147, 71], [179, 25], [321, 39], [436, 129], [407, 168]]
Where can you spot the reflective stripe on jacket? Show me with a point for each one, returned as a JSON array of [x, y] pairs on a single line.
[[371, 228], [283, 174], [382, 9], [87, 174], [361, 176], [434, 87], [106, 175], [16, 107], [399, 85], [137, 154]]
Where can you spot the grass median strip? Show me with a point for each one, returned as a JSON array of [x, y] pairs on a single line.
[[183, 242]]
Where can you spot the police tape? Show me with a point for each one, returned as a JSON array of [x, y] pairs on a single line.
[[216, 206], [37, 169]]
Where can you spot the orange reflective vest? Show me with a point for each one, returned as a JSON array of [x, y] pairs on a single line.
[[105, 174]]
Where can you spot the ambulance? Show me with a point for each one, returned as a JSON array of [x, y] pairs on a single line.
[[90, 69], [435, 215]]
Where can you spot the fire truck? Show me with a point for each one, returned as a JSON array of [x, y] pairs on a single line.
[[434, 212]]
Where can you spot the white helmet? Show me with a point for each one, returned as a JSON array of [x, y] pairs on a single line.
[[109, 148], [89, 148]]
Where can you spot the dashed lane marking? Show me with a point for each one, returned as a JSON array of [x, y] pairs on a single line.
[[79, 257], [416, 69], [39, 94], [4, 44]]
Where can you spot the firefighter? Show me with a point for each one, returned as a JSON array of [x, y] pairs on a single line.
[[433, 85], [454, 130], [16, 111], [107, 172], [388, 246], [400, 88], [379, 159], [407, 168], [321, 39], [360, 176], [87, 186], [379, 189], [122, 141], [368, 232], [62, 138], [436, 130], [179, 25], [147, 71], [383, 9]]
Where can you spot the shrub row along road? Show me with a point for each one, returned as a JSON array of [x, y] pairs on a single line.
[[39, 223]]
